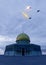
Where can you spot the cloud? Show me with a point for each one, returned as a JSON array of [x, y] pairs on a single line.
[[6, 38], [1, 52]]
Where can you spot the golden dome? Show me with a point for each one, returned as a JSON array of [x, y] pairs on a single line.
[[22, 36]]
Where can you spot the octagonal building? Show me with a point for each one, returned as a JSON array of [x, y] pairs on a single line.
[[22, 47]]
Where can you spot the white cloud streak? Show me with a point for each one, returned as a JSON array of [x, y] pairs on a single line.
[[6, 38]]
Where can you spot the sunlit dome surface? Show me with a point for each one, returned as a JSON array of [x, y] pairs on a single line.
[[22, 36]]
